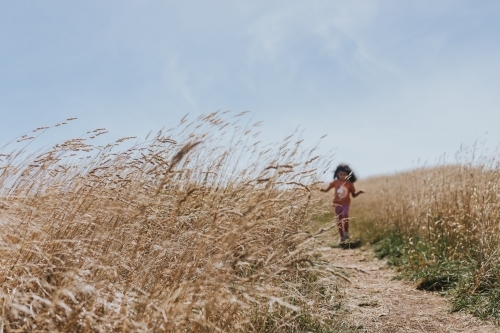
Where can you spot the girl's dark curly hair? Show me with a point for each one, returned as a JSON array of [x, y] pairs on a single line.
[[350, 174]]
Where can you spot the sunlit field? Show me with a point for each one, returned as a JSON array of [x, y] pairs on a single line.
[[196, 229], [441, 226]]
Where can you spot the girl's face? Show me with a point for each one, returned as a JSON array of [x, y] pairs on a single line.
[[342, 175]]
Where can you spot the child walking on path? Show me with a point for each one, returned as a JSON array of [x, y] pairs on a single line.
[[343, 183]]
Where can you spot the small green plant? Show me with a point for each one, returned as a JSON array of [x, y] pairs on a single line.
[[392, 248]]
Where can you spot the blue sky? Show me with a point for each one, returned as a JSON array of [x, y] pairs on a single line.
[[390, 82]]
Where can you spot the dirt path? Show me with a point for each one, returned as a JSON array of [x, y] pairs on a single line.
[[374, 302]]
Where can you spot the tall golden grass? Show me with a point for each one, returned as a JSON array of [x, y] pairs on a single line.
[[443, 224], [200, 229]]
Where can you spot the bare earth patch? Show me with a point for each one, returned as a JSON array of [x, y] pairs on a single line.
[[375, 302]]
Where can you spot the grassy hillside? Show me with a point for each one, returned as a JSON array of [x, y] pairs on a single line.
[[441, 227], [198, 229]]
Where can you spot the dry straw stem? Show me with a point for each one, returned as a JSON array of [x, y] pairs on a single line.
[[178, 233]]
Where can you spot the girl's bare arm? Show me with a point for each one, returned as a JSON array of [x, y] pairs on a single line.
[[330, 186], [355, 194]]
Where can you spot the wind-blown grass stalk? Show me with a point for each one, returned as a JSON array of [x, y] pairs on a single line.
[[177, 233]]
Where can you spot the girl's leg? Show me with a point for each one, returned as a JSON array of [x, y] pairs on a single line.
[[345, 217], [338, 217]]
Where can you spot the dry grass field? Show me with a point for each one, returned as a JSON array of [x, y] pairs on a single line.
[[441, 227], [198, 229], [203, 228]]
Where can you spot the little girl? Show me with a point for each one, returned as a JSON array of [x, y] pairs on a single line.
[[343, 183]]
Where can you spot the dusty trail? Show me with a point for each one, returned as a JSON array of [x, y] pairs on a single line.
[[374, 302]]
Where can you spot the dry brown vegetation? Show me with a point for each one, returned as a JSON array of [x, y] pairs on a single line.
[[441, 226], [200, 228]]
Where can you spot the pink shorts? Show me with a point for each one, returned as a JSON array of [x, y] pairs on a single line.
[[342, 211]]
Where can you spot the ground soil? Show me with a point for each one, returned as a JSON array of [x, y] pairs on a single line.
[[375, 302]]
